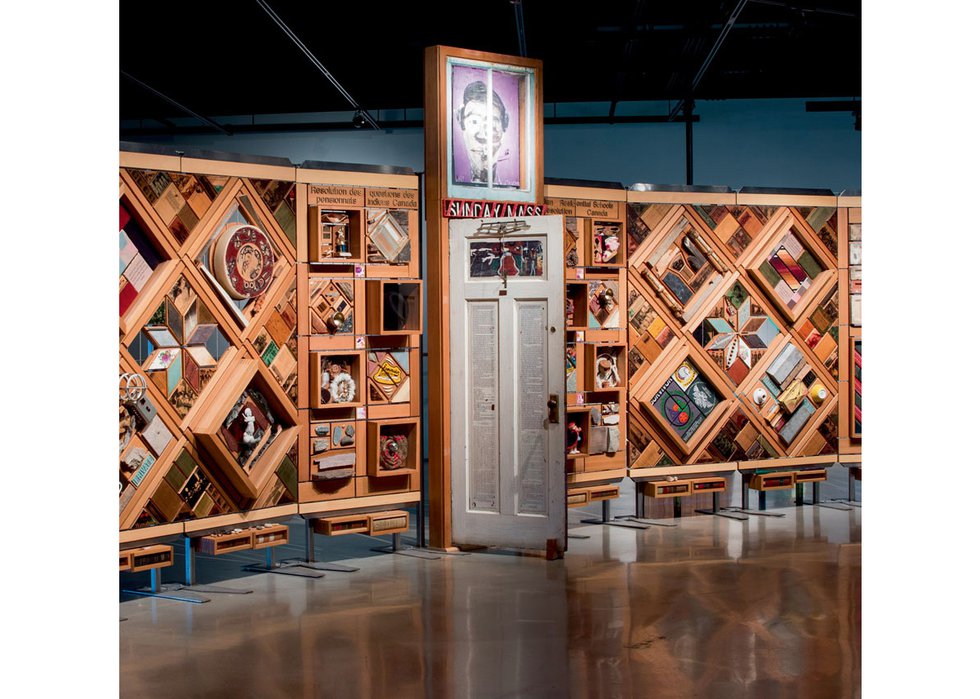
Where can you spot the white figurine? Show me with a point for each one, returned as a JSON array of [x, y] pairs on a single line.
[[249, 438]]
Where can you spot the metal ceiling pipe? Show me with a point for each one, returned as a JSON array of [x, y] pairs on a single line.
[[358, 110]]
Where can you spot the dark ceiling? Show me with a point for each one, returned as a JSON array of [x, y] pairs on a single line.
[[220, 58]]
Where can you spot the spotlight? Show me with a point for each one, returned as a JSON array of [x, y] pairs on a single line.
[[359, 120]]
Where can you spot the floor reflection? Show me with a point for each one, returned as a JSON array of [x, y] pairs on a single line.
[[711, 608]]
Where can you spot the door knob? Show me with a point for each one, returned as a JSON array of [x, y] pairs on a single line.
[[553, 409]]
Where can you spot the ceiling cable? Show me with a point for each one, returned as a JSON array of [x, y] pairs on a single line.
[[519, 21], [210, 122], [732, 18], [359, 112]]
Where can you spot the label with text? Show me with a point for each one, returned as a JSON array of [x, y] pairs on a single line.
[[323, 195], [470, 208], [391, 198]]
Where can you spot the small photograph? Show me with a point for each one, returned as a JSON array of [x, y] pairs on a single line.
[[518, 258]]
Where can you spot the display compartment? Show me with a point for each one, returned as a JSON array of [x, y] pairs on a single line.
[[667, 489], [577, 497], [685, 400], [179, 343], [342, 524], [336, 235], [677, 258], [146, 256], [336, 312], [125, 560], [392, 242], [396, 484], [603, 492], [243, 254], [221, 543], [737, 330], [574, 378], [393, 307], [153, 556], [593, 435], [268, 535], [576, 432], [393, 383], [334, 449], [854, 423], [790, 264], [393, 447], [275, 342], [390, 522], [575, 241], [336, 379], [651, 330], [715, 484], [811, 476], [772, 481], [576, 306], [248, 430], [602, 304], [607, 244], [793, 396], [147, 442], [605, 367]]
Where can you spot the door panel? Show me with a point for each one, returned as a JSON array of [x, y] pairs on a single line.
[[506, 335]]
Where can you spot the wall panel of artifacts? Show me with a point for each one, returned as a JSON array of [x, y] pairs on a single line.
[[740, 352], [596, 356], [227, 379]]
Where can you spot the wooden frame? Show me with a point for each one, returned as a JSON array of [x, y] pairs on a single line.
[[242, 375], [338, 237], [378, 295], [657, 381], [330, 459], [782, 480], [438, 177], [152, 556], [667, 489], [471, 86], [318, 361], [378, 430], [784, 223], [757, 380], [221, 543], [390, 522], [612, 353]]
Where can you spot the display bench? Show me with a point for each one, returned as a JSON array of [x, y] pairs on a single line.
[[735, 332], [234, 329], [596, 364]]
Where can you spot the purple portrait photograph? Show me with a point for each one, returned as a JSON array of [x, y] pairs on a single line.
[[486, 123]]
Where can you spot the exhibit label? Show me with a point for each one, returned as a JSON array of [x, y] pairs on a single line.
[[474, 208], [391, 198], [321, 195]]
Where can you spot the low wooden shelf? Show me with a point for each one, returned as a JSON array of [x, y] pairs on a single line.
[[667, 489], [342, 524], [269, 535], [773, 481], [390, 522], [811, 476], [221, 543], [709, 485], [149, 557]]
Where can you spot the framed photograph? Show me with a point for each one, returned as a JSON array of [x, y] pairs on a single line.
[[490, 126]]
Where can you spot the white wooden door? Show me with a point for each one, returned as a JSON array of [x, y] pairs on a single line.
[[506, 356]]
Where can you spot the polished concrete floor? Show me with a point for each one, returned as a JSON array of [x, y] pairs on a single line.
[[713, 607]]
